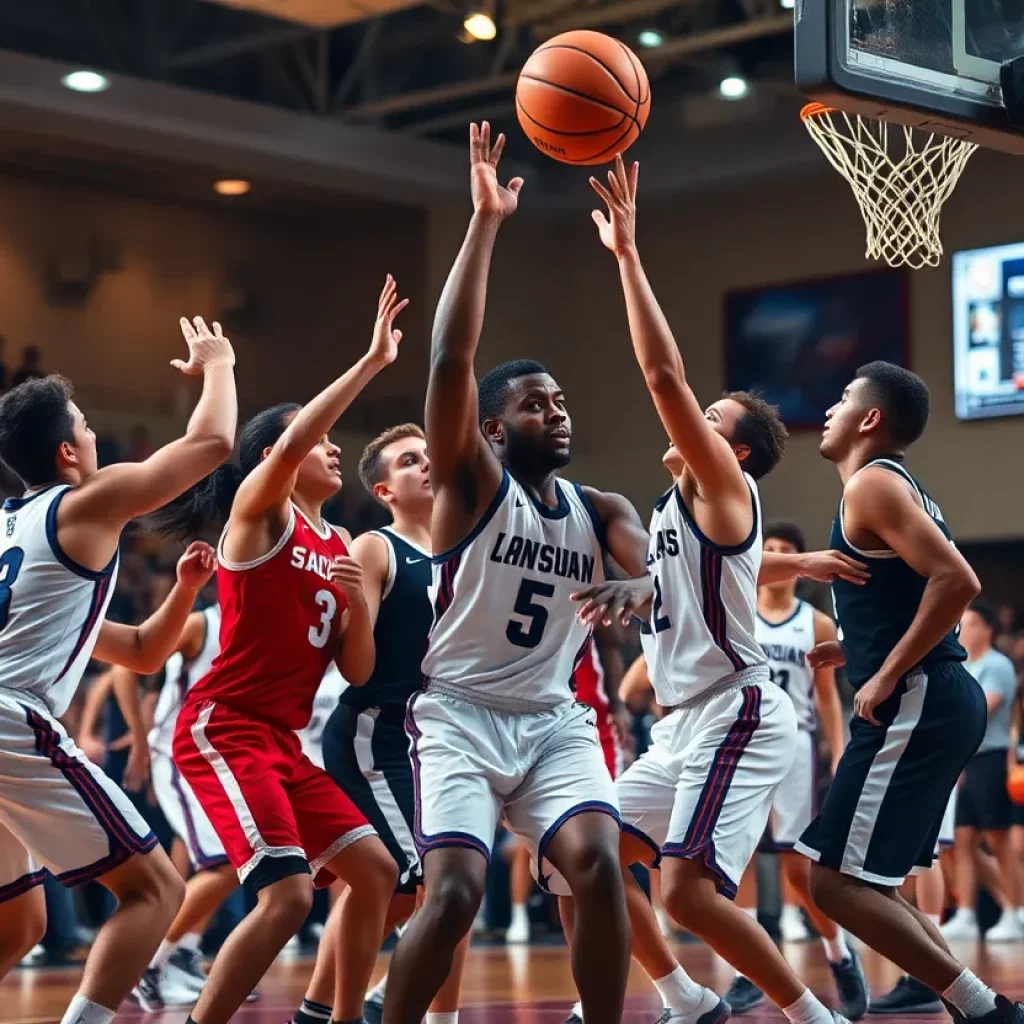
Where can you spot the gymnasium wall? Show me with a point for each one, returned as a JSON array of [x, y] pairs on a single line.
[[555, 294]]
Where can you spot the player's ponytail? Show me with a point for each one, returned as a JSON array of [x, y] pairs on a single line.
[[207, 504]]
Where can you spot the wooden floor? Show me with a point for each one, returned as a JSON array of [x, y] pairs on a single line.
[[511, 985]]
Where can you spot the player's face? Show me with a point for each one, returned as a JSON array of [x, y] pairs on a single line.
[[535, 430], [782, 547], [845, 420], [407, 484], [723, 417], [320, 471], [974, 633], [83, 443]]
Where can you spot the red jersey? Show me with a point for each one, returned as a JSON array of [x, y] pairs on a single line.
[[280, 622]]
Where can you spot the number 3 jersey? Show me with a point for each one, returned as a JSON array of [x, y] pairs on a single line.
[[701, 633], [505, 632], [51, 608], [280, 625]]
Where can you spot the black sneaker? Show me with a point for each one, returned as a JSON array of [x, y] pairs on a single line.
[[907, 996], [147, 991], [1004, 1013], [573, 1018], [718, 1014], [852, 986], [743, 995]]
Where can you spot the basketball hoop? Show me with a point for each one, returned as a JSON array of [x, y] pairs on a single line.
[[900, 189]]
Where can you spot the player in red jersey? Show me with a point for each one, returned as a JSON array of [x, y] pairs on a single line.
[[596, 681], [291, 601]]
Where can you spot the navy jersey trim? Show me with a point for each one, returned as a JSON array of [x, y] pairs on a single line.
[[17, 504], [550, 513], [599, 528], [482, 522], [65, 559], [722, 549], [659, 505], [786, 621]]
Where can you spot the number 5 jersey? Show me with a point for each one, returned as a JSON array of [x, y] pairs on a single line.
[[505, 631]]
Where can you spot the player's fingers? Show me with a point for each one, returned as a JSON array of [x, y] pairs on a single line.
[[601, 191], [187, 329], [499, 145], [398, 309], [397, 336], [620, 174], [218, 331], [485, 139], [201, 329], [515, 185], [634, 177], [613, 185], [474, 143]]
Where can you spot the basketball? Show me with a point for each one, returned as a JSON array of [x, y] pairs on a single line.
[[1015, 784], [583, 98]]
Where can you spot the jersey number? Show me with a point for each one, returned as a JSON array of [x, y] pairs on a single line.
[[328, 605], [529, 609], [658, 621], [780, 676], [10, 566]]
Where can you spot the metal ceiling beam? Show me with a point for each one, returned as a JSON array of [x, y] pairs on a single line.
[[671, 49], [626, 11], [358, 65], [237, 47]]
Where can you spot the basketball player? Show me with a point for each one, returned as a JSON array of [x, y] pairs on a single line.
[[366, 749], [788, 630], [496, 733], [291, 600], [59, 812], [699, 799], [174, 976], [920, 715]]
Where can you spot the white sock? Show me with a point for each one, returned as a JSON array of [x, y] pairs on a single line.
[[376, 994], [836, 949], [808, 1009], [679, 991], [190, 942], [969, 994], [966, 914], [443, 1018], [85, 1011], [163, 954], [519, 915], [577, 1008]]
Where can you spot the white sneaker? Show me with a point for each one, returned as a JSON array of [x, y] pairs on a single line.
[[791, 925], [177, 987], [961, 927], [518, 932], [1007, 929], [36, 955]]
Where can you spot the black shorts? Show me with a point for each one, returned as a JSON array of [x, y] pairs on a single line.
[[982, 801], [366, 752], [883, 812]]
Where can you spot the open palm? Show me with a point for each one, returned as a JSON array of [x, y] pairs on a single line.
[[386, 337], [489, 197], [617, 229]]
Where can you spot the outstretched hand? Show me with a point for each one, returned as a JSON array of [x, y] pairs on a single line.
[[197, 565], [489, 197], [386, 338], [618, 228], [205, 347]]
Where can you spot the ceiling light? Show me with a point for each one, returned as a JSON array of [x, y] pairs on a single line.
[[650, 38], [787, 4], [480, 26], [231, 187], [733, 87], [86, 81]]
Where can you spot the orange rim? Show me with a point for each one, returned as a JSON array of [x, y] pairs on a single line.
[[815, 110]]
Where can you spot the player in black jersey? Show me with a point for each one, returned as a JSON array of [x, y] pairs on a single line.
[[919, 715], [366, 749]]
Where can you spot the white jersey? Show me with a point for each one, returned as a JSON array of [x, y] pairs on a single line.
[[505, 631], [701, 631], [179, 677], [51, 608], [786, 645], [326, 700]]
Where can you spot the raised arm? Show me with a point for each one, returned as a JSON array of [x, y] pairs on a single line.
[[116, 494], [826, 694], [459, 456], [880, 506], [705, 452], [146, 647], [271, 483]]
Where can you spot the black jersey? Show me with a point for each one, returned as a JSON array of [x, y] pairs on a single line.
[[874, 616], [403, 625]]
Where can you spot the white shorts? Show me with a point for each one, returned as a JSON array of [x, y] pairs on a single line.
[[185, 815], [473, 766], [58, 811], [947, 830], [704, 789], [794, 805]]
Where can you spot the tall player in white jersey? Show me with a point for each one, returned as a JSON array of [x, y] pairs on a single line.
[[497, 734], [700, 797], [788, 629], [59, 560]]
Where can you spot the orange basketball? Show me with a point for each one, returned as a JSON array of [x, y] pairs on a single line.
[[583, 98], [1015, 784]]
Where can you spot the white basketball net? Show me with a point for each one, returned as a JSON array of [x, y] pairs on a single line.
[[900, 189]]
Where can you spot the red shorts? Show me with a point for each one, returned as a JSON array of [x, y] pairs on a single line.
[[276, 813], [609, 744]]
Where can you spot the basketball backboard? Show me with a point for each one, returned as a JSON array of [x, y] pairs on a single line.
[[930, 64]]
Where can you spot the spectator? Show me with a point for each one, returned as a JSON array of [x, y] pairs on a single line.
[[31, 365], [983, 807]]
